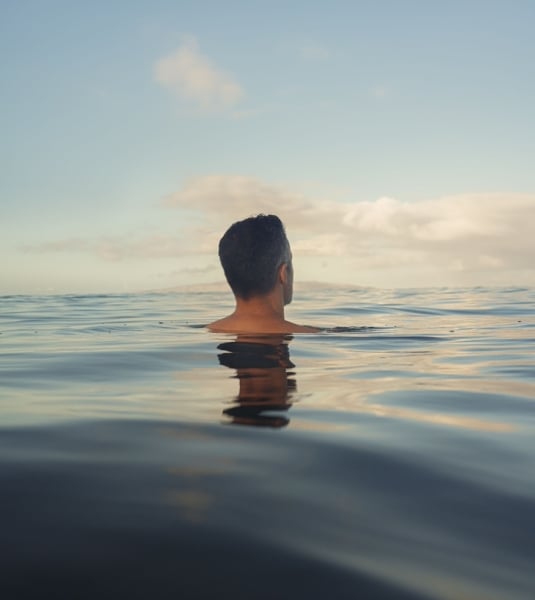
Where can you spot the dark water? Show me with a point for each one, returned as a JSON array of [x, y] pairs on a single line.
[[390, 457]]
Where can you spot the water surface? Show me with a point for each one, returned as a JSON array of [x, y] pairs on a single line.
[[390, 456]]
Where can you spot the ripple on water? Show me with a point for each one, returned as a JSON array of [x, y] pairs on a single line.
[[390, 456]]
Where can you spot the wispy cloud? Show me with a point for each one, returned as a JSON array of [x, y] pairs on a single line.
[[196, 270], [118, 248], [66, 245], [193, 77]]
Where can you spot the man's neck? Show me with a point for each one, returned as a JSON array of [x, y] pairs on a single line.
[[261, 314], [269, 306]]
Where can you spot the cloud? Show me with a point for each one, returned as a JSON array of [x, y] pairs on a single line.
[[324, 244], [193, 77], [67, 245], [118, 248], [196, 270], [460, 239], [243, 193], [463, 233]]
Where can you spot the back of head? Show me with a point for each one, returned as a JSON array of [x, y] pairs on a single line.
[[251, 252]]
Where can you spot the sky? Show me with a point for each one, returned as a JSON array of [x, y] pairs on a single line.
[[395, 139]]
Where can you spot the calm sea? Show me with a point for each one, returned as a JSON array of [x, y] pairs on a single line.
[[391, 456]]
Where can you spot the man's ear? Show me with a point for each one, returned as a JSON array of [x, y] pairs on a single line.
[[283, 273]]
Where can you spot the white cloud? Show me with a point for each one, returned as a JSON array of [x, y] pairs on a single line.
[[235, 193], [193, 77], [469, 233], [462, 239], [380, 216], [221, 198], [324, 244]]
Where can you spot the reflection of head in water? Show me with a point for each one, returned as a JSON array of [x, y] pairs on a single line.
[[261, 365]]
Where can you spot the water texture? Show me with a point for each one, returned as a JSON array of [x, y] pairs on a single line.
[[390, 456]]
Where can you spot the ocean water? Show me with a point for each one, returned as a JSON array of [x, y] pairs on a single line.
[[390, 456]]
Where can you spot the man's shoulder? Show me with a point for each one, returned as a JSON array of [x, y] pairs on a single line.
[[219, 325], [234, 325]]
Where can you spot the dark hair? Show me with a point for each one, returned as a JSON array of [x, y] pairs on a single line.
[[251, 252]]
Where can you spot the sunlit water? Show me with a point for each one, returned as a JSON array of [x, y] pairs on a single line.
[[391, 456]]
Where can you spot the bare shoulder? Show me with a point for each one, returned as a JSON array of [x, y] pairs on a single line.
[[221, 325], [232, 324]]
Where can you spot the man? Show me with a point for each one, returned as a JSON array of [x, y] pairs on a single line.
[[256, 258]]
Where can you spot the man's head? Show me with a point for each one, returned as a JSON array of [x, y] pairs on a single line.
[[255, 255]]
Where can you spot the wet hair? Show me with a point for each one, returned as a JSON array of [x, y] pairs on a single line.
[[251, 252]]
